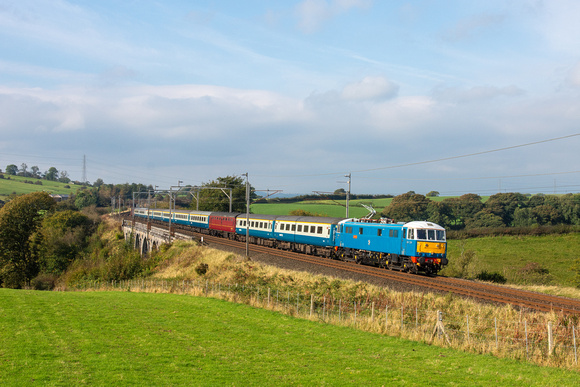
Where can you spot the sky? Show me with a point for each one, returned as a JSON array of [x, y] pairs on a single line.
[[451, 96]]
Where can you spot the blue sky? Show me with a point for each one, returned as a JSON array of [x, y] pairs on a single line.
[[296, 93]]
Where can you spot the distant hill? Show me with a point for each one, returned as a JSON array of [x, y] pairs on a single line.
[[18, 185]]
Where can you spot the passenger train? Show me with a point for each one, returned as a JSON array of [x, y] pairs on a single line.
[[414, 247]]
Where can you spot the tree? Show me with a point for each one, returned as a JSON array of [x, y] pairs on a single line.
[[340, 191], [12, 170], [99, 182], [85, 198], [216, 200], [504, 205], [547, 214], [485, 219], [407, 207], [463, 208], [63, 178], [60, 239], [440, 213], [19, 219], [570, 207], [52, 174], [34, 171], [432, 194], [23, 170]]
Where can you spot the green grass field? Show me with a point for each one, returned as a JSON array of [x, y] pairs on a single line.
[[322, 207], [16, 185], [124, 338], [507, 255]]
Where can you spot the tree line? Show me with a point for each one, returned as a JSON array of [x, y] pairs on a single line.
[[469, 211], [52, 174]]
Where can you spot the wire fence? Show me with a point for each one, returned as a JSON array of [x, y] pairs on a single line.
[[548, 344]]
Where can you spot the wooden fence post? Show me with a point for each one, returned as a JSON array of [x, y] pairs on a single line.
[[526, 328], [495, 323], [574, 337], [550, 339]]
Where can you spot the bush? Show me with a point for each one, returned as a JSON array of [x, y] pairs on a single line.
[[44, 282], [201, 269], [491, 277], [534, 273], [462, 266]]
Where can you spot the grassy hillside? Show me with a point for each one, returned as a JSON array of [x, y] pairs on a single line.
[[125, 338], [322, 207], [16, 185], [545, 260]]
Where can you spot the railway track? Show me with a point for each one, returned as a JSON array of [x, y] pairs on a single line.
[[466, 288]]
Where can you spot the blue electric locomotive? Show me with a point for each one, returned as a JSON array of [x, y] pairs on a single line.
[[412, 247]]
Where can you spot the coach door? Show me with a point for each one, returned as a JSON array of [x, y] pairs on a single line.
[[404, 241]]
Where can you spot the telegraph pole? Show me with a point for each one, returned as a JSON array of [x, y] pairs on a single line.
[[347, 194], [247, 215]]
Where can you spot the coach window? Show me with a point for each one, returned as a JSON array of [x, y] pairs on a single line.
[[360, 230], [379, 232], [299, 228], [294, 227], [320, 229]]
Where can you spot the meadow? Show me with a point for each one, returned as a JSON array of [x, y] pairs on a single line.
[[524, 260], [16, 185], [127, 338], [322, 207]]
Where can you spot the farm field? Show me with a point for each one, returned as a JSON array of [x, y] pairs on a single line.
[[16, 185], [509, 256], [126, 338], [322, 207]]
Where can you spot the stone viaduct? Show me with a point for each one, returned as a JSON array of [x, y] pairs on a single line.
[[147, 237]]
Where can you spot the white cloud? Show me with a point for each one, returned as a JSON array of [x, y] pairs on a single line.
[[370, 88]]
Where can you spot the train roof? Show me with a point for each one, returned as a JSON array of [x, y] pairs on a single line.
[[309, 219], [225, 214], [413, 224], [258, 216], [424, 224]]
